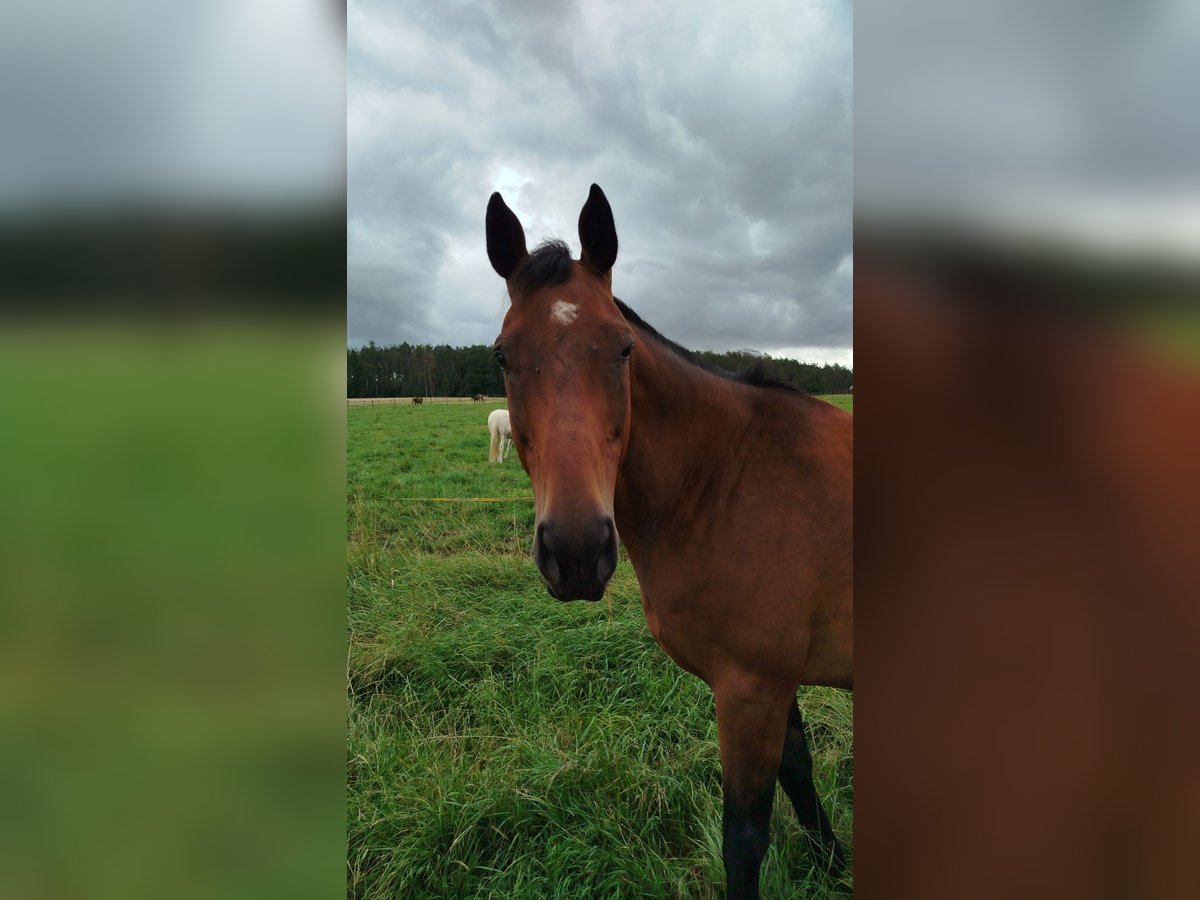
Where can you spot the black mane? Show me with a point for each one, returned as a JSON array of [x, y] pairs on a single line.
[[757, 375], [550, 263]]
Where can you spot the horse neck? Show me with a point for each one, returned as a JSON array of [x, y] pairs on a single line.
[[684, 420]]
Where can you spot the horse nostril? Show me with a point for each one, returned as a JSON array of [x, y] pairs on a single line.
[[606, 563], [543, 554]]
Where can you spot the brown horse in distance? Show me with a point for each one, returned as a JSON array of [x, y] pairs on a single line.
[[417, 401], [733, 498]]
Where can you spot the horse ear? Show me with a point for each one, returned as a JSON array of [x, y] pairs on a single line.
[[597, 233], [505, 237]]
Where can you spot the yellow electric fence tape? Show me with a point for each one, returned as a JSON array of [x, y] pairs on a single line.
[[461, 499]]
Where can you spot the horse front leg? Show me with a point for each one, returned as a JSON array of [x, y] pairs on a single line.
[[751, 727], [795, 774]]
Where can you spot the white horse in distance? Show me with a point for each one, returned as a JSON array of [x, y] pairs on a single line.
[[501, 432]]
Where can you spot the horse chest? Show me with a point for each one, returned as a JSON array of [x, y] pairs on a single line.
[[669, 627]]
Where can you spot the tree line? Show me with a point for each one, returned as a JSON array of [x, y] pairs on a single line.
[[425, 370]]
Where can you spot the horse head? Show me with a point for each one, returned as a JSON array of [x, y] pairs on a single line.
[[565, 352]]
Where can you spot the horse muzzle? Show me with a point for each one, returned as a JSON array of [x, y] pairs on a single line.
[[576, 561]]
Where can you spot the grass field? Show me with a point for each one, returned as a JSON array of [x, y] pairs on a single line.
[[503, 744]]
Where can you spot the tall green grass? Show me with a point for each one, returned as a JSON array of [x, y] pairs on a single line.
[[503, 744]]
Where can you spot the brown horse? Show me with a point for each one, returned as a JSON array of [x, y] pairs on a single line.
[[477, 398], [417, 401], [732, 497]]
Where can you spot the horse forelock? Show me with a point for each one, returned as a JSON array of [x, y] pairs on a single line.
[[549, 264]]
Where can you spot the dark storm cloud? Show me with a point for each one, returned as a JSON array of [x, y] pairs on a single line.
[[721, 137]]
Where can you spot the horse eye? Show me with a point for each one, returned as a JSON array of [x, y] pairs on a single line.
[[500, 359], [628, 349]]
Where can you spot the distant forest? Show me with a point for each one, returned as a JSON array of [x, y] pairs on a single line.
[[422, 370]]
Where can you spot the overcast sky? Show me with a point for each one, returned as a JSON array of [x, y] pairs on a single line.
[[721, 134], [222, 102], [1072, 122]]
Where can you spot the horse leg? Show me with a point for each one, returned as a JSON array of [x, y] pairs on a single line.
[[751, 730], [795, 774]]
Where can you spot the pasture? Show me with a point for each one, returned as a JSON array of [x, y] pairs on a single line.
[[501, 743]]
